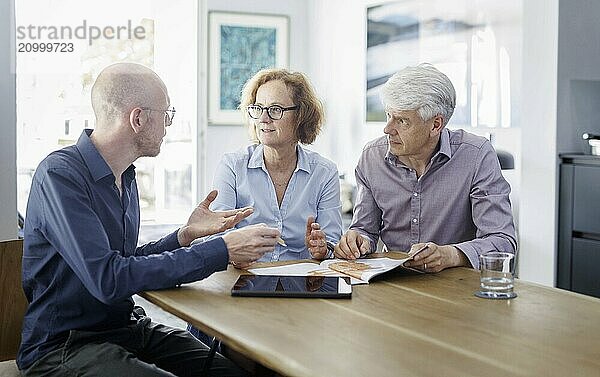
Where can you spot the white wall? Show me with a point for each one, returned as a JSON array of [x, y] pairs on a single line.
[[539, 167], [561, 72], [337, 68], [8, 114], [223, 138]]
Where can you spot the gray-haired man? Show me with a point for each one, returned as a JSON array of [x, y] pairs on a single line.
[[424, 185]]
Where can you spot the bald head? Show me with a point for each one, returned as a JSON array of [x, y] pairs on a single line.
[[120, 88]]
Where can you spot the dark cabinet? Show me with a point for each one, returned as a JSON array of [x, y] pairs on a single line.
[[586, 267], [578, 263], [586, 199]]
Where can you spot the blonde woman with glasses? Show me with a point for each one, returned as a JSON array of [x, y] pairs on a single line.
[[290, 187]]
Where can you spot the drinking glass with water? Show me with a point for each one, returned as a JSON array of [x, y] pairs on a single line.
[[497, 275]]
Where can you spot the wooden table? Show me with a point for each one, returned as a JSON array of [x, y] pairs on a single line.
[[401, 325]]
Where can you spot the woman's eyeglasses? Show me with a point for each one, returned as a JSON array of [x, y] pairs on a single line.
[[275, 112]]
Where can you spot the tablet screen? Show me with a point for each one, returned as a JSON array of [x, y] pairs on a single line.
[[292, 286]]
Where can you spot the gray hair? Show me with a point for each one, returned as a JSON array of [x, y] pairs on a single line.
[[423, 88]]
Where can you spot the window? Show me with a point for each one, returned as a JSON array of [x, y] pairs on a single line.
[[53, 88], [477, 46]]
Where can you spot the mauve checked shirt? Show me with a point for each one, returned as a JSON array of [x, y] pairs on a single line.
[[461, 200]]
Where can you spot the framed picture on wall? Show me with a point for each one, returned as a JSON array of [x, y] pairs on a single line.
[[239, 45]]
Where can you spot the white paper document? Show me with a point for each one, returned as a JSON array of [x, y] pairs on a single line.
[[360, 271]]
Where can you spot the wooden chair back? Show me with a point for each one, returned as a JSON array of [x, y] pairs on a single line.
[[12, 299]]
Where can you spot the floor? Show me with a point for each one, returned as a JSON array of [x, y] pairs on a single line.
[[152, 233], [158, 315]]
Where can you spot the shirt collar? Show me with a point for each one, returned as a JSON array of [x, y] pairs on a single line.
[[96, 164], [444, 144], [257, 161], [302, 163]]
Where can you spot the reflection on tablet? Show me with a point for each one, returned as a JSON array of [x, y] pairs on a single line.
[[292, 286]]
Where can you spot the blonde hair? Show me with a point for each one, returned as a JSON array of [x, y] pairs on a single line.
[[309, 115]]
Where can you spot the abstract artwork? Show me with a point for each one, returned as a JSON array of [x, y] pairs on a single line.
[[478, 50], [239, 46]]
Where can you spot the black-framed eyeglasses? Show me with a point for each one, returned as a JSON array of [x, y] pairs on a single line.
[[169, 114], [274, 112]]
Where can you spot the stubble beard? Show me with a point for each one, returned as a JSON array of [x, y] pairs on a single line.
[[147, 148]]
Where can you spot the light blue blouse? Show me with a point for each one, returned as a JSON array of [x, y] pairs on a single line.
[[314, 189]]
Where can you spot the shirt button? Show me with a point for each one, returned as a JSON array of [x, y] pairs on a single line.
[[415, 221], [415, 194]]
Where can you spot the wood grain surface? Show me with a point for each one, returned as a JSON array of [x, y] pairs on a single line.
[[402, 324], [12, 299]]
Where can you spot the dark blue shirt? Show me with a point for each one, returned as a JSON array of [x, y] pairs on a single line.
[[80, 262]]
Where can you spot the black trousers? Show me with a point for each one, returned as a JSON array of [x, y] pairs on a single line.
[[143, 348]]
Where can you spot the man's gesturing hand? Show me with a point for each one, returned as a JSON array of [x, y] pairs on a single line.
[[204, 222]]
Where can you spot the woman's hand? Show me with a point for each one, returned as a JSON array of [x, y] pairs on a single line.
[[315, 239]]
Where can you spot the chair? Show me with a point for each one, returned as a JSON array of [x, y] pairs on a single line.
[[12, 305], [506, 159]]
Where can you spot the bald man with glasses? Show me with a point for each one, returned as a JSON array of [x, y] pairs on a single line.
[[81, 261]]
